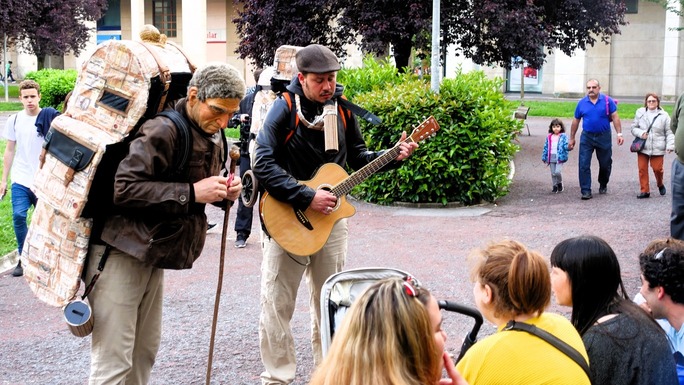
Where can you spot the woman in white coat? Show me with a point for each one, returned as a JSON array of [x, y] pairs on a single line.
[[652, 123]]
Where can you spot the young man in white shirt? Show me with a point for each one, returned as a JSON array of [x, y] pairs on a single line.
[[24, 144]]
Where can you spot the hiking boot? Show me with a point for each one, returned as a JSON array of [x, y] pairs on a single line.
[[586, 196], [18, 271], [241, 241], [662, 190], [643, 195], [560, 187], [603, 190], [555, 189]]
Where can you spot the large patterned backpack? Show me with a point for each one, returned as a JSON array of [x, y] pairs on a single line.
[[122, 84]]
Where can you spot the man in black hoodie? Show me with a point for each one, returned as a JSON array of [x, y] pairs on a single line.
[[289, 151]]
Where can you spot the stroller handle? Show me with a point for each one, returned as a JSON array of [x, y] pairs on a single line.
[[470, 339]]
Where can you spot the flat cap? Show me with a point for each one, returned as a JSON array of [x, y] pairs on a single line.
[[317, 59]]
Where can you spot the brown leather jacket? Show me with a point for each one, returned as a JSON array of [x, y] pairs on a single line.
[[159, 222]]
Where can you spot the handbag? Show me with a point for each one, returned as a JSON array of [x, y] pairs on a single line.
[[639, 143]]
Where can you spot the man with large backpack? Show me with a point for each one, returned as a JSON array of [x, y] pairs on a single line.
[[286, 153], [158, 221]]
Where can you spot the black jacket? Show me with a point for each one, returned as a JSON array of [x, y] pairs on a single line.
[[280, 162]]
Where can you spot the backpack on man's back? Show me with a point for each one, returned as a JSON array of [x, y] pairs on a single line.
[[120, 86]]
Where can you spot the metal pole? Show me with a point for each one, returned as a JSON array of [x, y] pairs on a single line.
[[4, 65], [434, 67]]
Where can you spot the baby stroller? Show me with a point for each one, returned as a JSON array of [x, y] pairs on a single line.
[[341, 290]]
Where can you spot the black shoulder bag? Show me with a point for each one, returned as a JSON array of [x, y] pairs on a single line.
[[639, 142], [552, 340]]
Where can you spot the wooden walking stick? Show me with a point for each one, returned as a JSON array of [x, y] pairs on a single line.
[[234, 156]]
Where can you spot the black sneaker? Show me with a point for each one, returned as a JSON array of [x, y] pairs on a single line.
[[555, 189], [586, 196], [18, 271], [603, 190], [560, 187], [643, 195], [662, 190]]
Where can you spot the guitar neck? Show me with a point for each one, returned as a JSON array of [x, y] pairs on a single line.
[[343, 188]]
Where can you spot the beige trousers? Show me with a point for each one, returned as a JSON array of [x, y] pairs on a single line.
[[281, 274], [127, 310]]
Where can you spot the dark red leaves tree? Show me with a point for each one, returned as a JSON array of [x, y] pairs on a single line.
[[265, 25], [50, 27], [490, 32]]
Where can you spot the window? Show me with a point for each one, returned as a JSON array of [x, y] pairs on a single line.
[[164, 16], [632, 6]]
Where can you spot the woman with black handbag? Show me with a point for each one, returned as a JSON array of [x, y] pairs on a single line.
[[652, 139]]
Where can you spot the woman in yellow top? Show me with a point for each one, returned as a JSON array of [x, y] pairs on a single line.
[[513, 283]]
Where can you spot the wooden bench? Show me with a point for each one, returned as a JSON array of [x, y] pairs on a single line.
[[521, 113]]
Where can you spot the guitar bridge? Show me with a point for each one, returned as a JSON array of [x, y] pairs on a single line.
[[301, 217]]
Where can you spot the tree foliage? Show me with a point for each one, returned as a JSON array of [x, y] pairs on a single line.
[[493, 32], [265, 25], [490, 32], [49, 27], [400, 23]]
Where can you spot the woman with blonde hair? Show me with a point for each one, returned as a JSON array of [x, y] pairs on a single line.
[[512, 289], [391, 335]]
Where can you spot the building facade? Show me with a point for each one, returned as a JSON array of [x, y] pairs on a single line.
[[645, 57]]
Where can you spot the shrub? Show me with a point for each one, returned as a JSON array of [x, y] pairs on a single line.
[[374, 75], [54, 85], [468, 160]]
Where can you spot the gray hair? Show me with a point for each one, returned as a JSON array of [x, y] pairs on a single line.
[[218, 81]]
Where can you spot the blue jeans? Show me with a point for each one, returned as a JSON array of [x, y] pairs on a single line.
[[601, 142], [22, 199]]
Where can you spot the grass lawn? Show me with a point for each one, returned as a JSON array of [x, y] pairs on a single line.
[[7, 240], [566, 109]]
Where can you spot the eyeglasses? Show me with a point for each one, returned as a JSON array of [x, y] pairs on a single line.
[[591, 87], [651, 101]]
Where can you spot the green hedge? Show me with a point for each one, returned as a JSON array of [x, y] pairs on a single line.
[[54, 85], [468, 160]]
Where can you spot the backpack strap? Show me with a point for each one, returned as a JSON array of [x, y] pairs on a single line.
[[182, 160], [552, 340], [294, 118]]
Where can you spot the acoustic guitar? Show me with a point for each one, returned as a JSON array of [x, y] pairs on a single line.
[[306, 232]]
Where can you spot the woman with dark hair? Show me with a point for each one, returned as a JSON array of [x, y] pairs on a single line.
[[625, 345], [512, 284]]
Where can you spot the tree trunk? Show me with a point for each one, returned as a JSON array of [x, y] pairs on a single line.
[[402, 53]]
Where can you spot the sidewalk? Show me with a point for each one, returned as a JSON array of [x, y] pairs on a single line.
[[432, 244]]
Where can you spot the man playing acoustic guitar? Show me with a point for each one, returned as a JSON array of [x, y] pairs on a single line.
[[289, 149]]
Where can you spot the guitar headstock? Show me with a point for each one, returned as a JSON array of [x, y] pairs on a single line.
[[424, 130]]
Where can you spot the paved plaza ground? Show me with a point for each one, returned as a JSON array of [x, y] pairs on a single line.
[[432, 244]]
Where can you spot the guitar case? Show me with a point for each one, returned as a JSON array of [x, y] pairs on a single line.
[[122, 84]]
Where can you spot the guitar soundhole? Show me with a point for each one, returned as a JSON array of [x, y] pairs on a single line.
[[328, 188]]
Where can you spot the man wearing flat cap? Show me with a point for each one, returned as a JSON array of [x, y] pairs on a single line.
[[288, 150]]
